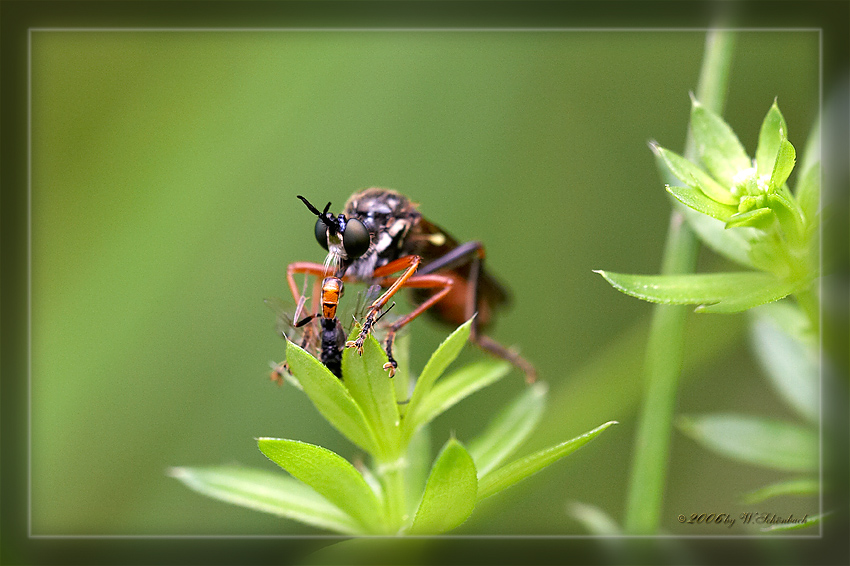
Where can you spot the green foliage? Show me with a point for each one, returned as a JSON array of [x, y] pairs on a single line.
[[507, 475], [804, 486], [775, 230], [785, 344], [450, 493], [396, 493], [331, 476], [713, 292], [269, 492], [759, 441], [743, 209]]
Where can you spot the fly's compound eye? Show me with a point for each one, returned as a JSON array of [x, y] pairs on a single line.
[[322, 233], [355, 238]]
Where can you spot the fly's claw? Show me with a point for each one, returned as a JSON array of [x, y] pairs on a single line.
[[356, 344], [390, 367], [364, 332]]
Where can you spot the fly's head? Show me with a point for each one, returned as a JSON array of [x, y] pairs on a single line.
[[346, 239]]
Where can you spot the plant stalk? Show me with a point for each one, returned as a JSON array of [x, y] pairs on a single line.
[[665, 347], [808, 301], [392, 476]]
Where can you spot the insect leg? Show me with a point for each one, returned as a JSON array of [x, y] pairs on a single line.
[[485, 342], [432, 281], [305, 267], [409, 265], [472, 253], [458, 256]]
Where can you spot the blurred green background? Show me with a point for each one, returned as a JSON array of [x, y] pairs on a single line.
[[164, 172]]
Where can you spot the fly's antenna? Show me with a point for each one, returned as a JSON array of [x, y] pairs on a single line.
[[328, 219]]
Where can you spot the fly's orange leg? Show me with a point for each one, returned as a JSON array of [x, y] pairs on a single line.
[[305, 267], [409, 265], [444, 283]]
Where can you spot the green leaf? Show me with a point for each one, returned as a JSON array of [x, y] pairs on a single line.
[[694, 177], [401, 380], [452, 389], [450, 493], [811, 153], [774, 289], [269, 492], [758, 441], [518, 470], [331, 398], [789, 214], [439, 361], [773, 131], [713, 292], [799, 487], [808, 195], [372, 389], [760, 218], [717, 145], [697, 200], [791, 365], [731, 244], [331, 475], [792, 320], [595, 520], [509, 429], [785, 160]]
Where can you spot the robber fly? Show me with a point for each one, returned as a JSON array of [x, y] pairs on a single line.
[[381, 234]]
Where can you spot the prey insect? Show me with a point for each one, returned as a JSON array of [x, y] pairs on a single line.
[[328, 343], [331, 335], [381, 238]]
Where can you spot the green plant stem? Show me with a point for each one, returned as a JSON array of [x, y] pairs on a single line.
[[662, 368], [808, 301], [665, 348], [392, 476]]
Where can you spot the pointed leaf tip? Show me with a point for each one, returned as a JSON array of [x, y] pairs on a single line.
[[509, 474], [442, 357]]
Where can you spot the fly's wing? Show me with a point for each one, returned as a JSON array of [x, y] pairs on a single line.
[[432, 242], [283, 315], [287, 319], [352, 311]]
